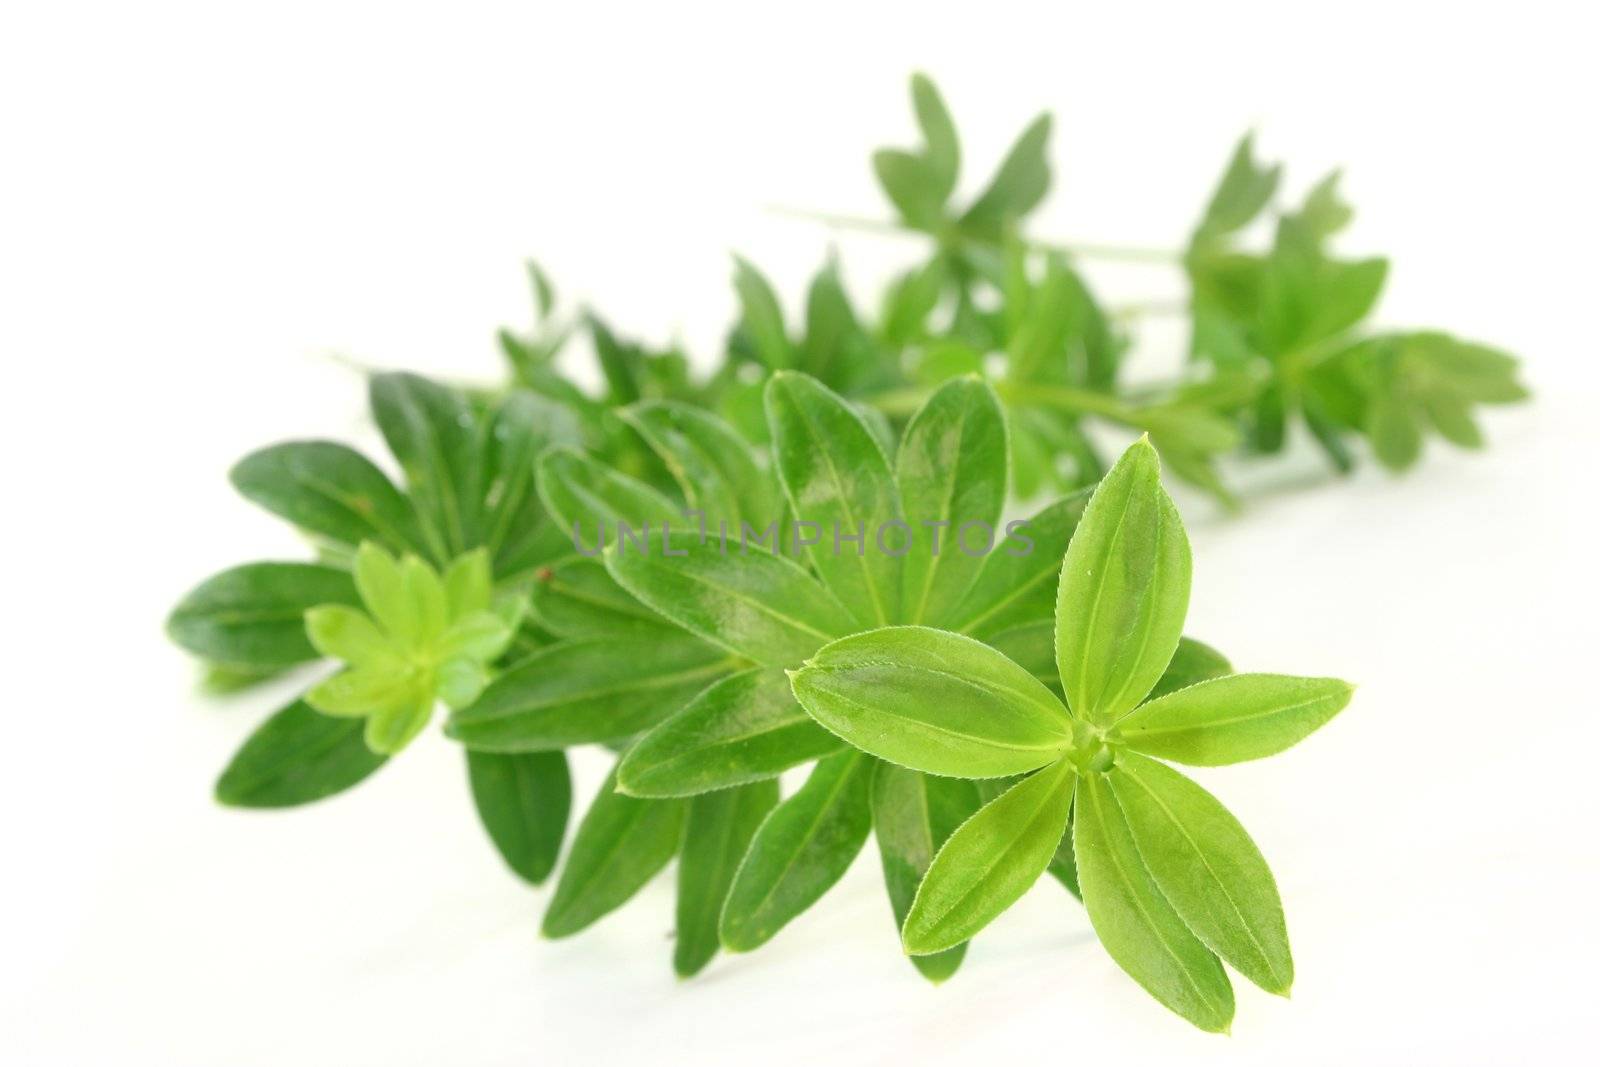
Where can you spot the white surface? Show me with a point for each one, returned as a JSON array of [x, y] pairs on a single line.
[[198, 203]]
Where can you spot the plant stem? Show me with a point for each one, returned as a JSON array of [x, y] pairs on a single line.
[[1074, 248]]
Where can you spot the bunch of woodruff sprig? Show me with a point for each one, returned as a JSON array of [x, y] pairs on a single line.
[[695, 574]]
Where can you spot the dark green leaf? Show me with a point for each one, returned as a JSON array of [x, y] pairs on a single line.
[[433, 432], [253, 616], [588, 691], [757, 604], [1017, 584], [952, 471], [744, 728], [330, 490], [801, 850], [716, 834], [523, 799], [836, 477], [295, 757], [912, 816], [620, 845]]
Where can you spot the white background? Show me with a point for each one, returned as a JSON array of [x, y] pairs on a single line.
[[202, 203]]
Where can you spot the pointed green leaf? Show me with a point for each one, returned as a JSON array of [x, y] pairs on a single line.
[[933, 701], [990, 861], [577, 597], [1207, 867], [1234, 718], [1018, 580], [951, 468], [913, 814], [1124, 591], [254, 615], [800, 851], [911, 186], [1017, 187], [587, 691], [587, 497], [716, 835], [716, 470], [761, 316], [1194, 661], [740, 596], [621, 844], [942, 149], [330, 490], [837, 478], [433, 432], [1246, 187], [1135, 922], [295, 757], [744, 728], [523, 800]]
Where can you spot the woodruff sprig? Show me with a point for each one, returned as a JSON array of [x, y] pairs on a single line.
[[984, 716], [1170, 879]]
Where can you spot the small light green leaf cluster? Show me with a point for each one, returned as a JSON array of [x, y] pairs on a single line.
[[423, 638], [1173, 885]]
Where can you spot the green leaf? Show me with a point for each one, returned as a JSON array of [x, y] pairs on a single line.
[[621, 844], [716, 834], [1325, 212], [345, 633], [1207, 867], [761, 316], [295, 757], [743, 598], [836, 477], [934, 701], [330, 490], [577, 597], [381, 579], [1018, 580], [909, 301], [619, 363], [1194, 661], [744, 728], [1017, 187], [523, 800], [1124, 591], [1245, 189], [990, 861], [254, 615], [800, 851], [433, 432], [719, 475], [942, 151], [1135, 923], [587, 691], [587, 497], [1232, 719], [1392, 428], [911, 186], [951, 468], [516, 528], [913, 814]]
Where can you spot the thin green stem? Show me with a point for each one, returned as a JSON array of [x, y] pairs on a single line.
[[1125, 253]]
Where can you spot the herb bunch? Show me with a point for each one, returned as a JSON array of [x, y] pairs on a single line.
[[555, 568]]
